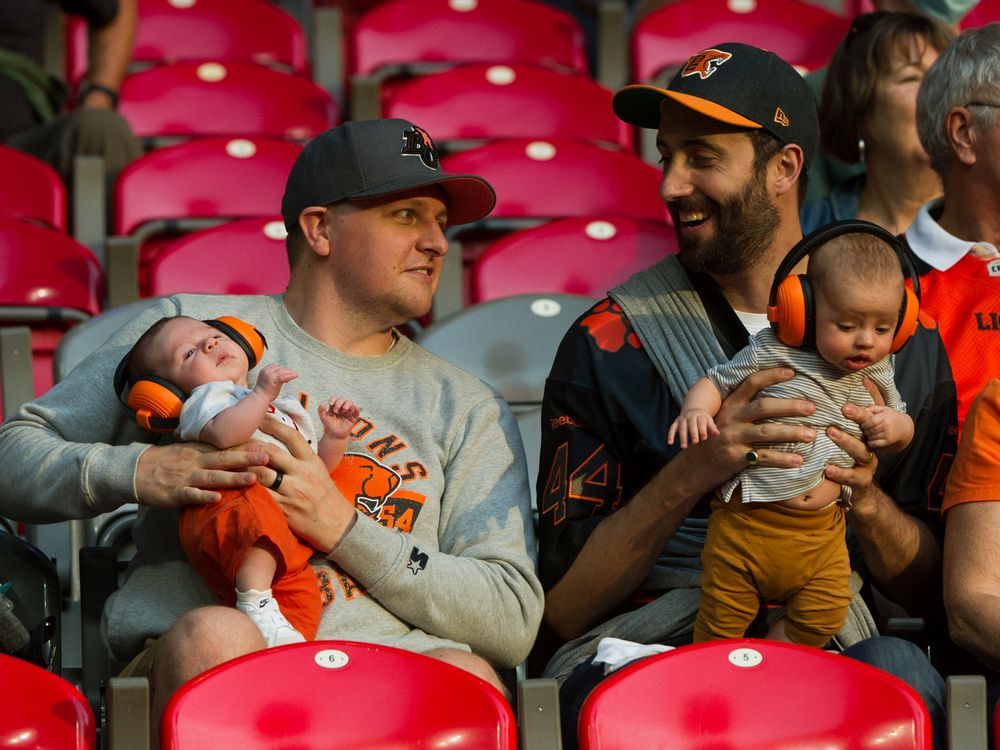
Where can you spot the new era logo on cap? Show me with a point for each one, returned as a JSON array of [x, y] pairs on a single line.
[[705, 63]]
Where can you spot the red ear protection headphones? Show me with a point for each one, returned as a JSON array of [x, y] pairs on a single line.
[[156, 401], [791, 307]]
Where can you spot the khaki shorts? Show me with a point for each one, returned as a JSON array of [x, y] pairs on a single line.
[[142, 665]]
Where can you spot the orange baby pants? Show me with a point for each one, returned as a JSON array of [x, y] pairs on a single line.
[[216, 538], [761, 552]]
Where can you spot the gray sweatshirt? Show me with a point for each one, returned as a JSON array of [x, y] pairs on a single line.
[[443, 556]]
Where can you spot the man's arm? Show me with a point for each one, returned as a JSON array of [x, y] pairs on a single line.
[[110, 51], [898, 529], [972, 578], [75, 452], [477, 585], [899, 549]]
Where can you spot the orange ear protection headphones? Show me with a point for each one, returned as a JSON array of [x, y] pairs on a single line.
[[156, 401], [791, 307]]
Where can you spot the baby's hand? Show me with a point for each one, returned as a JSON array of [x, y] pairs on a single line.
[[692, 426], [887, 429], [271, 378], [338, 416]]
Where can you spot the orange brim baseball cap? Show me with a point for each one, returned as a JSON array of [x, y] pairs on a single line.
[[737, 84]]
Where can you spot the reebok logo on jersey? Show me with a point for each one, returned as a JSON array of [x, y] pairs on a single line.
[[993, 269], [705, 63]]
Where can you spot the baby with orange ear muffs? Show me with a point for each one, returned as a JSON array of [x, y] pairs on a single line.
[[190, 377], [777, 534]]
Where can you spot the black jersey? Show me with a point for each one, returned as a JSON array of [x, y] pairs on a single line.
[[606, 413]]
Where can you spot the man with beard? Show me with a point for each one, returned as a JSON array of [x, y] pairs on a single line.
[[623, 515]]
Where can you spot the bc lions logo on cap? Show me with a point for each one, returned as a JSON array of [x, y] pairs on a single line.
[[416, 142], [705, 63]]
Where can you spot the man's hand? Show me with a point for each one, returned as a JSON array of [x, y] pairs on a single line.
[[743, 427], [170, 476], [311, 502], [861, 477]]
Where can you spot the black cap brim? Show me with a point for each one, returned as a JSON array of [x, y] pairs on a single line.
[[470, 198]]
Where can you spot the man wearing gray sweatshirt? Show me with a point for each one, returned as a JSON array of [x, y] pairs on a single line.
[[427, 544]]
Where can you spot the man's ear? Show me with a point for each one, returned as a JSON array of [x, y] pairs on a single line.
[[962, 134], [313, 221], [786, 166]]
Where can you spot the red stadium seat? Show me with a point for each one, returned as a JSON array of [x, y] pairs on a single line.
[[337, 695], [42, 710], [586, 256], [490, 101], [30, 189], [402, 32], [558, 178], [538, 181], [49, 283], [402, 37], [984, 12], [191, 185], [246, 256], [753, 695], [225, 99], [170, 30], [801, 33]]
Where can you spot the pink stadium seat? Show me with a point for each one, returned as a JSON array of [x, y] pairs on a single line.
[[171, 30], [753, 695], [489, 101], [42, 710], [188, 186], [337, 695], [246, 256], [586, 256], [402, 32], [30, 189], [225, 99], [48, 282], [558, 178], [801, 33]]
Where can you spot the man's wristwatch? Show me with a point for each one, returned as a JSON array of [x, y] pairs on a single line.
[[87, 87]]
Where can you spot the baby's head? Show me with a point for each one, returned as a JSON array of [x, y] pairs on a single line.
[[187, 353], [857, 281]]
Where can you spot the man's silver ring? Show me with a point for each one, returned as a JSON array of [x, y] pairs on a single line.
[[753, 457], [278, 476]]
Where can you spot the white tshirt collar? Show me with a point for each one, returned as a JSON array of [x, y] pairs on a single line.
[[753, 322]]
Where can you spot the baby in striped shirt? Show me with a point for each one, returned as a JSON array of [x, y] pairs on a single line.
[[777, 534]]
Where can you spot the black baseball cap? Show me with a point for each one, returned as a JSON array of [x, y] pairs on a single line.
[[736, 84], [372, 158]]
